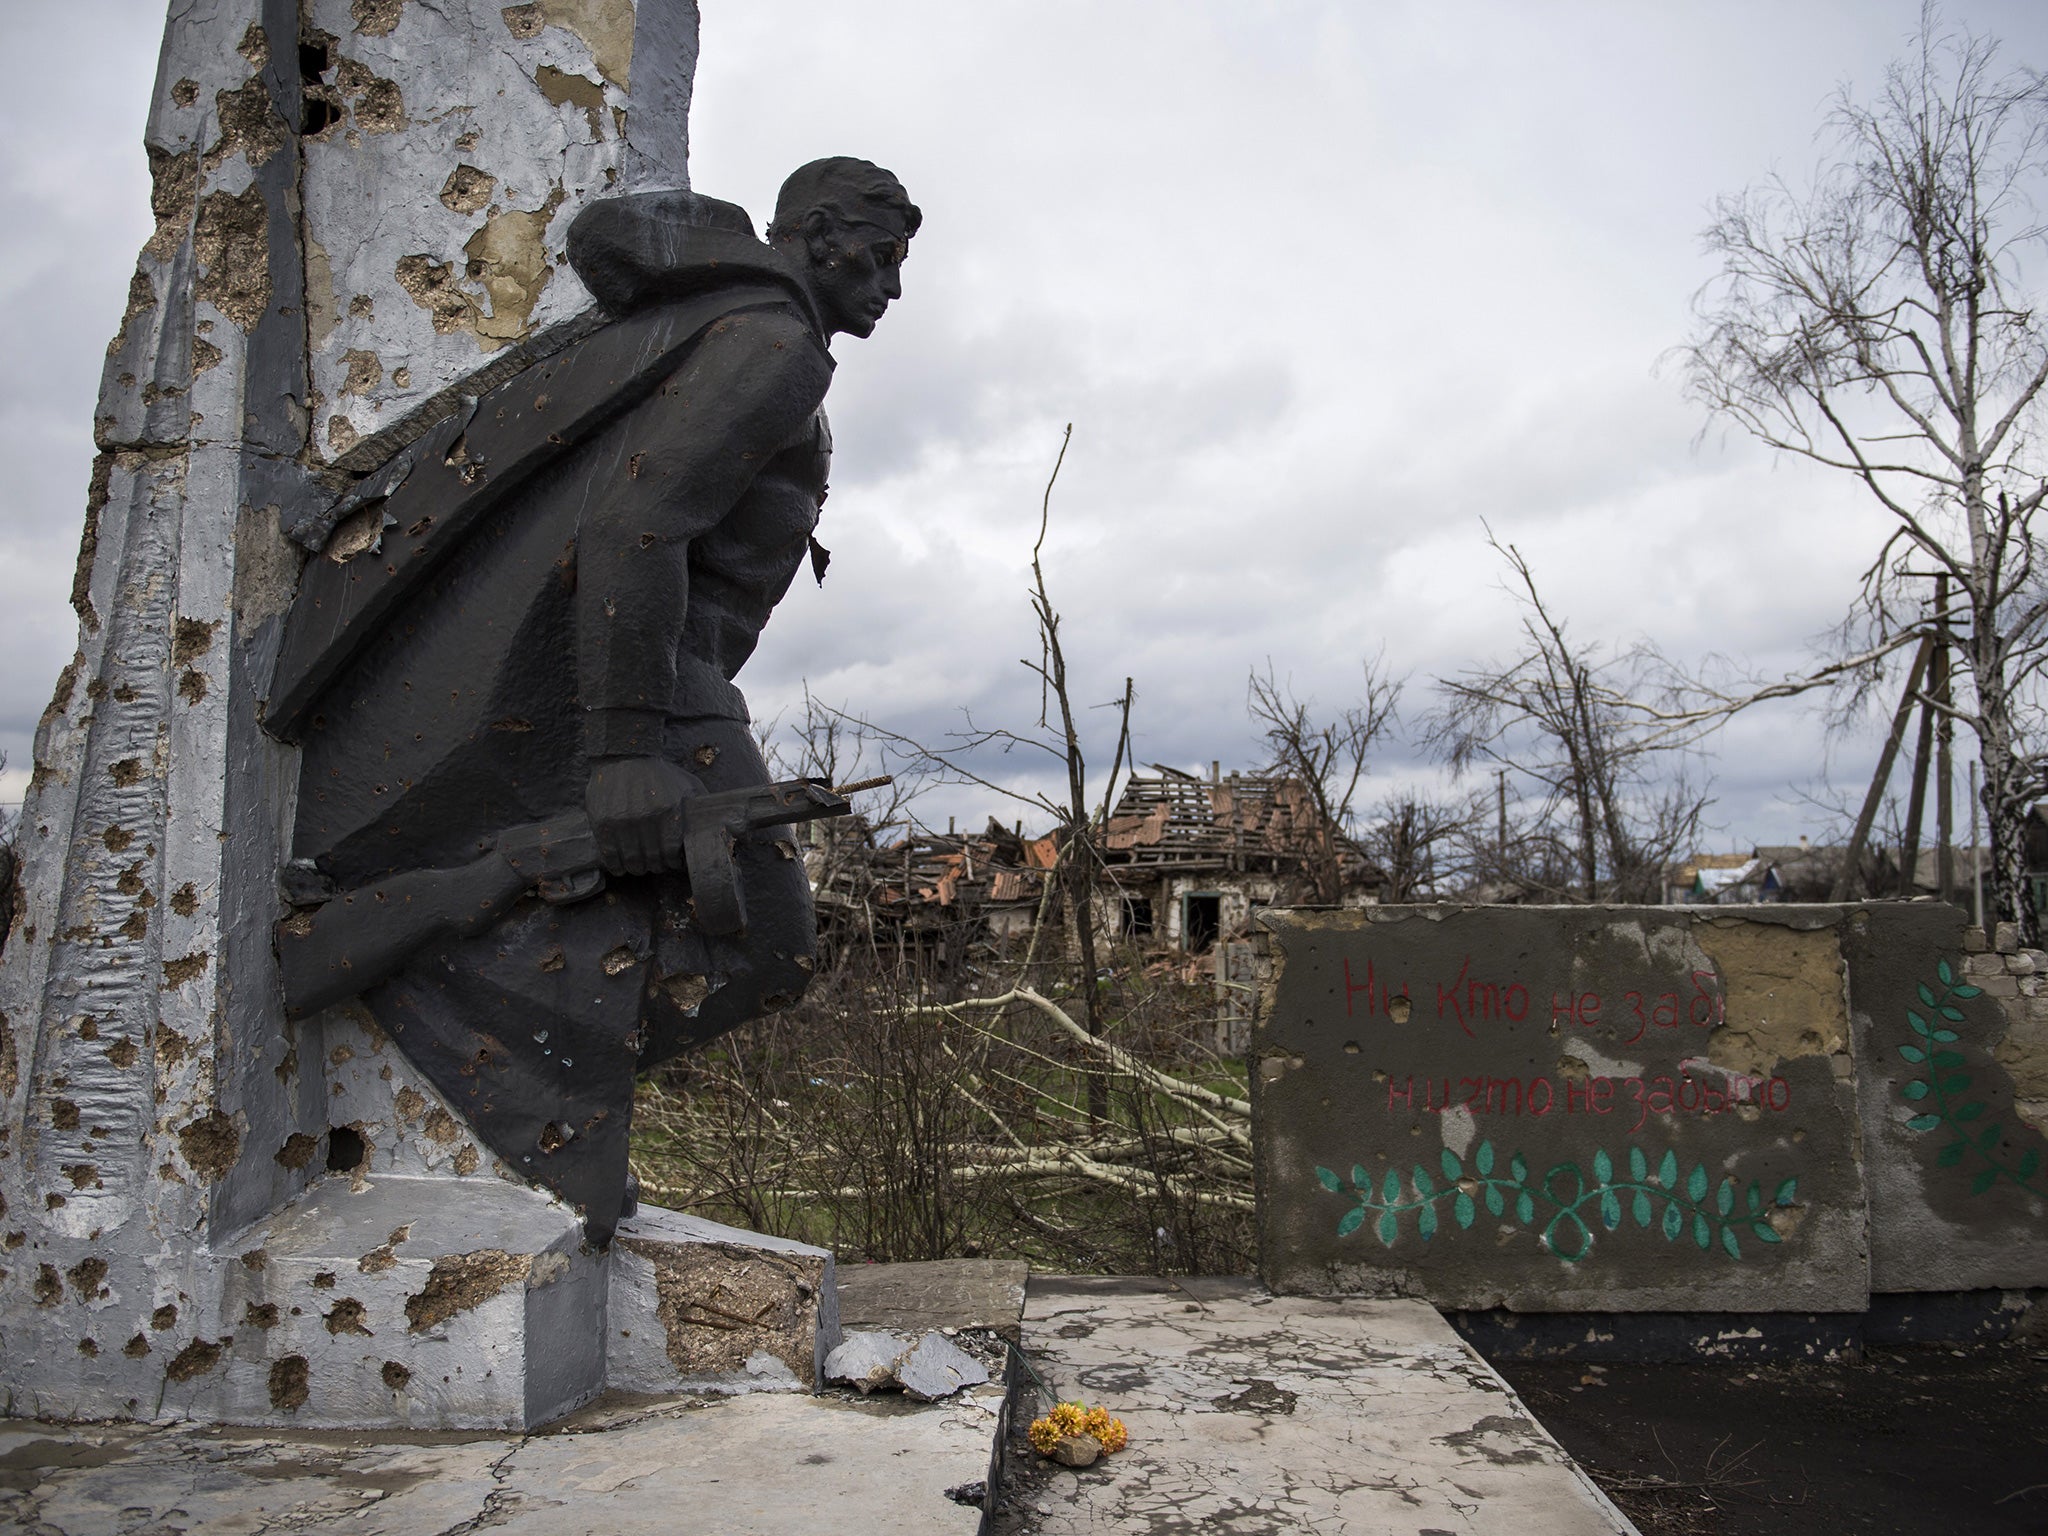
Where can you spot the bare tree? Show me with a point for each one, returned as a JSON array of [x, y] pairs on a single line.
[[1327, 757], [1417, 842], [1576, 725], [1877, 322]]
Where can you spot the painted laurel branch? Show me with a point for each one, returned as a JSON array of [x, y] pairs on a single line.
[[1565, 1191], [1942, 1092]]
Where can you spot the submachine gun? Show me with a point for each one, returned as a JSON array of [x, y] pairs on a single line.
[[355, 939]]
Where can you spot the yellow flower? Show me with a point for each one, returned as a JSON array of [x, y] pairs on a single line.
[[1110, 1432]]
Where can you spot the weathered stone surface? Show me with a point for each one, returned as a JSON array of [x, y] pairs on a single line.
[[480, 1294], [766, 1465], [1954, 1151], [1562, 1109], [935, 1367], [914, 1298], [928, 1367], [1248, 1412], [866, 1358], [699, 1306], [451, 150]]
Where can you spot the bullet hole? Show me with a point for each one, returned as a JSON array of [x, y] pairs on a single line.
[[347, 1317], [551, 1138], [85, 1277], [324, 1281], [164, 1317], [63, 1115], [195, 1359], [468, 1160], [136, 1347], [48, 1287], [345, 1149], [705, 755], [554, 959], [89, 1348], [261, 1314], [297, 1151], [395, 1375], [289, 1380]]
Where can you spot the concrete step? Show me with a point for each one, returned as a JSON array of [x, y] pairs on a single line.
[[1249, 1412], [769, 1464]]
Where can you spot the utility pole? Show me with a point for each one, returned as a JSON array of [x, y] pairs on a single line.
[[1944, 737]]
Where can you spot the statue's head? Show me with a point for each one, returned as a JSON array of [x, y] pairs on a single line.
[[845, 225]]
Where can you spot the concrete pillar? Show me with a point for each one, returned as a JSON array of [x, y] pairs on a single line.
[[359, 209]]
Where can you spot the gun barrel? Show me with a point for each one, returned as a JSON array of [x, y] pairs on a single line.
[[354, 940]]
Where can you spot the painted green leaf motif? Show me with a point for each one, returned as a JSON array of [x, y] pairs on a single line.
[[1389, 1227], [1765, 1231], [1952, 1013], [1927, 994], [1948, 1058], [1923, 1122], [1425, 1186], [1350, 1221], [1638, 1165], [1610, 1209], [1754, 1198], [1951, 1154], [1496, 1202], [1945, 1036], [1390, 1193], [1642, 1209], [1518, 1166], [1603, 1166], [1947, 976], [1702, 1232], [1787, 1192], [1724, 1197], [1915, 1089], [1425, 1222], [1970, 1111], [1361, 1180], [1525, 1207], [1918, 1024], [2029, 1161], [1454, 1170], [1956, 1082], [1674, 1223], [1967, 992], [1984, 1181], [1462, 1211], [1728, 1241], [1696, 1185], [1485, 1159], [1988, 1137], [1667, 1170], [1913, 1053], [1328, 1180]]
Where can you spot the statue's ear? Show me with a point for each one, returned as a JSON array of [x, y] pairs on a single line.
[[818, 242]]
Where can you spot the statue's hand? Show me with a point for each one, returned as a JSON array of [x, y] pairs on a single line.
[[635, 806]]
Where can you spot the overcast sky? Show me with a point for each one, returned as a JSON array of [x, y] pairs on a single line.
[[1319, 285]]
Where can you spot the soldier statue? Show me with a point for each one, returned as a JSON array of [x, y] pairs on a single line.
[[535, 835]]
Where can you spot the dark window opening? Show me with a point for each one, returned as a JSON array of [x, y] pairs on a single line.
[[1138, 917], [1202, 921]]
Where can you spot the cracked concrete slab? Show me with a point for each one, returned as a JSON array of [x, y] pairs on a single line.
[[769, 1465], [1254, 1413]]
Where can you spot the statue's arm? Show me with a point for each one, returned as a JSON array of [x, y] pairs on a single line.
[[748, 390]]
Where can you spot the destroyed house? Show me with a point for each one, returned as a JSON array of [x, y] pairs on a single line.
[[1185, 862]]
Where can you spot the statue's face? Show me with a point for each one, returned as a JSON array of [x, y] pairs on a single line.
[[856, 271]]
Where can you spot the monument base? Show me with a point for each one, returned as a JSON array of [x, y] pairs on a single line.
[[401, 1302]]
